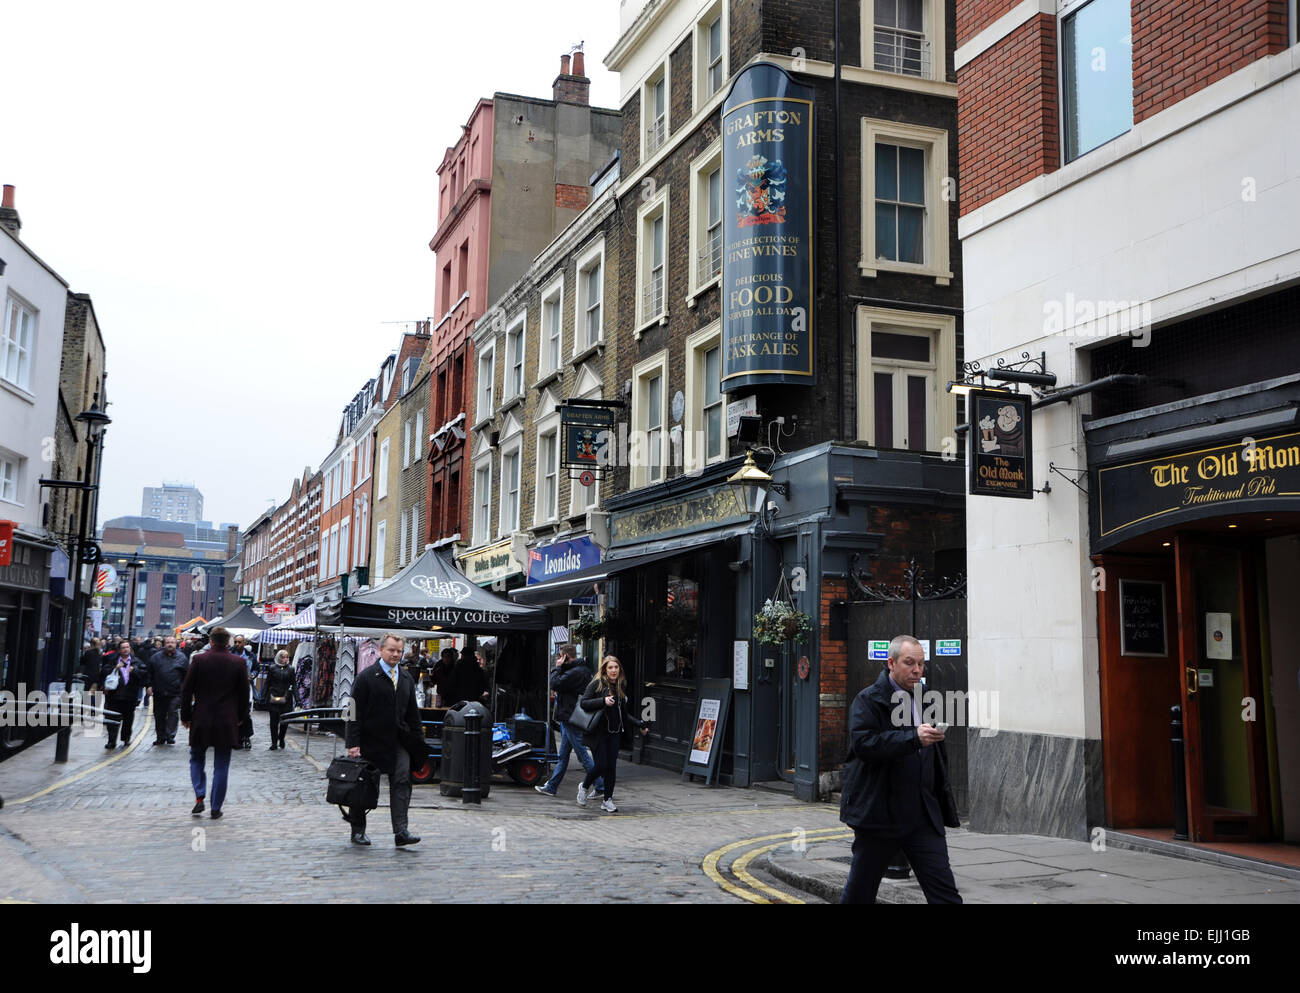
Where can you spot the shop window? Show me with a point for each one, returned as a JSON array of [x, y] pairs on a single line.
[[679, 625]]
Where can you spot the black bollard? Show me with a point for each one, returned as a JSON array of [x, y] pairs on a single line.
[[1180, 772], [470, 791]]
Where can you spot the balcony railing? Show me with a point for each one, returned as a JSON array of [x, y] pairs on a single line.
[[652, 298], [655, 134], [710, 263], [905, 52]]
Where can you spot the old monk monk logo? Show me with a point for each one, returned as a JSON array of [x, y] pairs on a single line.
[[435, 589], [760, 192]]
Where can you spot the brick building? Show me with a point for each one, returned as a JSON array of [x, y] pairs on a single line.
[[863, 444], [295, 541], [397, 442], [514, 180], [1129, 215]]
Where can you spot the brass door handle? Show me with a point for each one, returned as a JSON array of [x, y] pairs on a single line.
[[1191, 681]]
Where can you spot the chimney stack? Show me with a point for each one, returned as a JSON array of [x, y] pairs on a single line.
[[8, 213], [572, 87]]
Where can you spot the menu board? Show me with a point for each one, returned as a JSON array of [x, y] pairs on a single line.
[[1142, 630], [707, 730]]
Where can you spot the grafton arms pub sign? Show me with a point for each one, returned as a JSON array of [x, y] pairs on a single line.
[[1257, 474], [767, 230]]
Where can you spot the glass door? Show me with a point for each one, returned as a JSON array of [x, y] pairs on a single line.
[[1221, 690]]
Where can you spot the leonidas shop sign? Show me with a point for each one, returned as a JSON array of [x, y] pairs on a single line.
[[767, 249], [1258, 474], [487, 565]]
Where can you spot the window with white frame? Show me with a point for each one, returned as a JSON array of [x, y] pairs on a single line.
[[334, 550], [483, 502], [381, 552], [706, 217], [511, 472], [905, 202], [16, 346], [654, 111], [322, 558], [406, 443], [363, 533], [589, 328], [705, 437], [403, 538], [514, 385], [548, 476], [381, 484], [652, 255], [649, 413], [905, 37], [347, 471], [417, 451], [710, 53], [10, 469], [552, 328], [415, 532], [486, 372], [905, 358], [1096, 74], [345, 546]]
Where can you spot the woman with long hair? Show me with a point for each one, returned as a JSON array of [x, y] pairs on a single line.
[[608, 691], [279, 695]]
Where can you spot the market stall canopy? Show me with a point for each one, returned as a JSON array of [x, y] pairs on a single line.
[[291, 628], [431, 593], [193, 622], [242, 621]]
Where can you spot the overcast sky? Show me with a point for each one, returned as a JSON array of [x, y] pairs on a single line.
[[247, 192]]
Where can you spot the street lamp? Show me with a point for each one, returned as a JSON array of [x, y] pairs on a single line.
[[751, 485], [96, 421]]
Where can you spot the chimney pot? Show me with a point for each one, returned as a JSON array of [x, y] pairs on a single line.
[[564, 71], [8, 196], [579, 64]]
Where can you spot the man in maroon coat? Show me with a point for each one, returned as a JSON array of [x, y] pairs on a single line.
[[214, 701]]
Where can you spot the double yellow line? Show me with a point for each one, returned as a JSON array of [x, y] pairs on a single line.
[[144, 730], [754, 890]]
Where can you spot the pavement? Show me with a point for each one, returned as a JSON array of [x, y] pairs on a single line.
[[113, 827]]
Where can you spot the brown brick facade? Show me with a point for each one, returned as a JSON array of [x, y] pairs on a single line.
[[832, 729], [572, 197], [1007, 114], [1182, 46], [973, 16]]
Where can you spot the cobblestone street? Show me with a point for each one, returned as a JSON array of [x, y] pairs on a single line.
[[123, 832]]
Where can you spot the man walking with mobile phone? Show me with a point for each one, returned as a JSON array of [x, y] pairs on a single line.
[[896, 792]]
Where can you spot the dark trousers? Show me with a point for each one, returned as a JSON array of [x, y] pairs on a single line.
[[277, 733], [166, 716], [399, 798], [125, 707], [924, 847], [604, 759]]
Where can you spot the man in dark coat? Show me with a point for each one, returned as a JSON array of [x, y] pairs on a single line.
[[896, 792], [459, 680], [167, 670], [214, 701], [568, 679], [122, 698], [383, 716]]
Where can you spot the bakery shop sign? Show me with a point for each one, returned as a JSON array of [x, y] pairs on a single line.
[[1255, 474], [1001, 446]]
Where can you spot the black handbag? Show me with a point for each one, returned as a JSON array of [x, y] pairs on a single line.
[[584, 720], [353, 785]]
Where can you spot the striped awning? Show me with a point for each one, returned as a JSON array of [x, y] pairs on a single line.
[[299, 627]]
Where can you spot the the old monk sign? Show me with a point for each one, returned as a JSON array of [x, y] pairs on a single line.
[[767, 250], [1255, 474], [1001, 445]]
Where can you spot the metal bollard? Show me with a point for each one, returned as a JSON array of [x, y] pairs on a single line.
[[470, 791], [1180, 772]]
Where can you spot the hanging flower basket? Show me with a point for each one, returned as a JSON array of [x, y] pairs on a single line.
[[588, 627], [779, 622]]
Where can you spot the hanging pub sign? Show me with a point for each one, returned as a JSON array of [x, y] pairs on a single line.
[[587, 432], [767, 225], [1001, 444]]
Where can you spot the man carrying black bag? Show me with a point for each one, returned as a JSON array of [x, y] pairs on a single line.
[[382, 723]]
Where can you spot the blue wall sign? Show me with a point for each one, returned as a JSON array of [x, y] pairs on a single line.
[[558, 559], [767, 240]]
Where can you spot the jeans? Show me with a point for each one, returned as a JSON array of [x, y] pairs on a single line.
[[604, 765], [570, 738], [220, 769]]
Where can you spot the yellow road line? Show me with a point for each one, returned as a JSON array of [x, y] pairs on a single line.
[[710, 863], [94, 768], [741, 866]]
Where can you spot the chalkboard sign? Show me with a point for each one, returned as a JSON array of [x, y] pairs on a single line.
[[1142, 619], [705, 753]]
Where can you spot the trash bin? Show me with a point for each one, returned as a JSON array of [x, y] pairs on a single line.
[[453, 749]]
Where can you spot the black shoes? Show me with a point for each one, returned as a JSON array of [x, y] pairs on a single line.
[[406, 838], [110, 745], [272, 748], [157, 742], [171, 741], [216, 815], [359, 838], [198, 807]]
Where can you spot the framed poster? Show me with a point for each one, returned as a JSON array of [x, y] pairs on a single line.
[[1142, 631], [708, 729]]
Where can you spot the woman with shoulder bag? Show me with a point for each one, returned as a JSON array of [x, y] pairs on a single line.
[[607, 693], [279, 695]]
